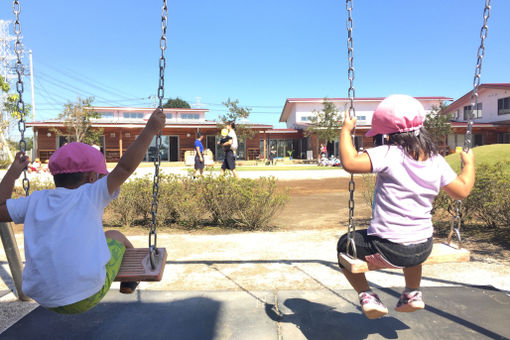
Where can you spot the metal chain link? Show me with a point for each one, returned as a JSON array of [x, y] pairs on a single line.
[[478, 73], [456, 221], [157, 158], [351, 228], [20, 104]]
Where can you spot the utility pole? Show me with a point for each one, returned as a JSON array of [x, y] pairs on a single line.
[[34, 140], [7, 58]]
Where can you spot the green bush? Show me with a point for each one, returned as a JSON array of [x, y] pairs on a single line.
[[255, 202], [225, 201], [489, 202], [133, 203]]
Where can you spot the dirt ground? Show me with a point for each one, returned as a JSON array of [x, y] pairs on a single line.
[[323, 204]]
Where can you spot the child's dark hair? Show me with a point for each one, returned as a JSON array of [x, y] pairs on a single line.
[[415, 143], [68, 180]]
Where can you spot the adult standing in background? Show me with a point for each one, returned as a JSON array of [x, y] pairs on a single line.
[[199, 155], [230, 148]]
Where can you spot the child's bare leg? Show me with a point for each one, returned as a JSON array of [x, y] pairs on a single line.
[[412, 276], [357, 281], [411, 299], [118, 236], [234, 173]]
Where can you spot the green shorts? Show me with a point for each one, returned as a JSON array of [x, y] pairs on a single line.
[[117, 250]]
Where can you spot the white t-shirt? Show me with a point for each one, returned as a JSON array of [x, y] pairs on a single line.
[[65, 246], [232, 134]]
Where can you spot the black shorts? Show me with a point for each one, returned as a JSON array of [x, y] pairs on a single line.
[[229, 162], [397, 254], [198, 164]]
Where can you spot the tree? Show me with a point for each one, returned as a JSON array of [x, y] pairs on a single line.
[[237, 114], [437, 123], [9, 107], [77, 122], [177, 103], [325, 124]]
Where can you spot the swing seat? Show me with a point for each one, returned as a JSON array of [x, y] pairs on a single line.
[[441, 253], [136, 265]]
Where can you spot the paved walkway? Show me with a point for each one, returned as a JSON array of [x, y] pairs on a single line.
[[239, 270]]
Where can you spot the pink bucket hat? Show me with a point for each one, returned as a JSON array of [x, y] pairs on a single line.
[[397, 113], [77, 157]]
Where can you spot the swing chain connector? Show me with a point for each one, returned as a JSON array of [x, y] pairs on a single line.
[[455, 224], [351, 228], [157, 157], [20, 104]]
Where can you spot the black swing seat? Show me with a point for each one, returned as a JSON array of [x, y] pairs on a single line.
[[136, 265], [441, 253]]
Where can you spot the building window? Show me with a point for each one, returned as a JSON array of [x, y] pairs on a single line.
[[169, 116], [504, 138], [362, 118], [476, 113], [504, 106], [306, 118], [132, 115], [190, 116], [106, 114]]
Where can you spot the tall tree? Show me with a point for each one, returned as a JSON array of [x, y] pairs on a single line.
[[77, 122], [325, 124], [237, 114], [176, 103], [437, 123], [9, 113]]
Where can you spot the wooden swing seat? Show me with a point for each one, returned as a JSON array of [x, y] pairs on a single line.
[[441, 253], [136, 265]]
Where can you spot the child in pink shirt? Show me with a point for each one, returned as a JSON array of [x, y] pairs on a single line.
[[410, 173]]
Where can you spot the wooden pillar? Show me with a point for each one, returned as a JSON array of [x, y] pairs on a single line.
[[265, 144], [120, 143], [13, 257]]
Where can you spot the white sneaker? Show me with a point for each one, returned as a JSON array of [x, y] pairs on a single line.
[[371, 305]]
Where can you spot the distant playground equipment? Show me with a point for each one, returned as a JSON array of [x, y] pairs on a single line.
[[189, 157], [441, 252]]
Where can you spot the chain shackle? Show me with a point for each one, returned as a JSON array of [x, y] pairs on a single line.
[[20, 104], [468, 143], [157, 157], [351, 228]]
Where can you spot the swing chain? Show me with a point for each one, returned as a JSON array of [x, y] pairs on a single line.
[[478, 72], [351, 228], [157, 157], [20, 104], [456, 221]]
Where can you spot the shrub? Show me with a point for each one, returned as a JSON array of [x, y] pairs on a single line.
[[225, 201], [134, 202], [489, 202], [255, 202], [367, 191]]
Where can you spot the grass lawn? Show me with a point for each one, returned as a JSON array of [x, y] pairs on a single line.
[[487, 154]]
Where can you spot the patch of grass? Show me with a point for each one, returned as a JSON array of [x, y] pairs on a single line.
[[486, 154]]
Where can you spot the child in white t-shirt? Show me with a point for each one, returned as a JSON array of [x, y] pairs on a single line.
[[410, 173], [70, 261]]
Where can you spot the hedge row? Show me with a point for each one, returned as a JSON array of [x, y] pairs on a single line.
[[241, 203]]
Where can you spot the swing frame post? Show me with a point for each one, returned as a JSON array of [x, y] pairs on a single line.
[[13, 257]]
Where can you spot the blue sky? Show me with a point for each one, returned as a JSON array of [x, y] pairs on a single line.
[[258, 51]]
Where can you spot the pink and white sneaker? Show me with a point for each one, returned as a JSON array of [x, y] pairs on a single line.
[[371, 305], [410, 302]]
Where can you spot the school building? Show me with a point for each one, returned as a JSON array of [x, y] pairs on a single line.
[[121, 125]]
